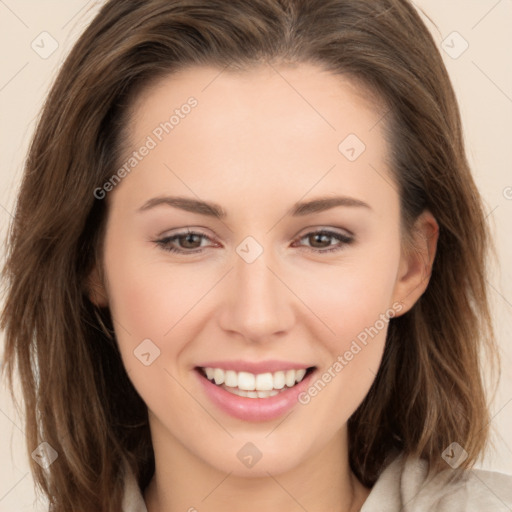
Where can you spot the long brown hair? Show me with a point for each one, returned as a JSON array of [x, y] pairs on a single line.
[[429, 390]]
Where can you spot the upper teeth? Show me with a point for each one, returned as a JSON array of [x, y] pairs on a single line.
[[250, 382]]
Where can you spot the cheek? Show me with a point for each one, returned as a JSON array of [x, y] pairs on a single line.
[[355, 308], [148, 299], [359, 318], [151, 300], [351, 296], [149, 305]]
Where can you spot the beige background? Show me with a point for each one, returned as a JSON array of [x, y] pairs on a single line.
[[482, 76]]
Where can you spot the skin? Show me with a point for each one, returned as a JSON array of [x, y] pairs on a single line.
[[257, 142]]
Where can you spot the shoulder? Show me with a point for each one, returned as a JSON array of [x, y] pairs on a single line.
[[133, 500], [406, 485]]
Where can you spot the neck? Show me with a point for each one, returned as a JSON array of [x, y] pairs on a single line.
[[321, 482]]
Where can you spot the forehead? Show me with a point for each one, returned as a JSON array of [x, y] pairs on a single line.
[[258, 128], [301, 92]]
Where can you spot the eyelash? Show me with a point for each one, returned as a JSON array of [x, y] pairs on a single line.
[[164, 243]]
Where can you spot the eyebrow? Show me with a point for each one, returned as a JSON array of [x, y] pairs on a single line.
[[211, 209]]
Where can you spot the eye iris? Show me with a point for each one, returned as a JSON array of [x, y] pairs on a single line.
[[317, 237], [189, 239]]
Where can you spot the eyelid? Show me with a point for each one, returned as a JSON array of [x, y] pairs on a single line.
[[199, 230], [331, 229]]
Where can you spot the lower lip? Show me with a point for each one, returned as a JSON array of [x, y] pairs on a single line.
[[254, 409]]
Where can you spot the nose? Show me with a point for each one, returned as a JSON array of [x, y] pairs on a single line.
[[258, 305]]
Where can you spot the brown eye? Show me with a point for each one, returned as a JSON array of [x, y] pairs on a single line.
[[187, 242], [190, 240], [319, 241]]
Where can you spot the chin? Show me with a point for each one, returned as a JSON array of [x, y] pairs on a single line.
[[260, 454]]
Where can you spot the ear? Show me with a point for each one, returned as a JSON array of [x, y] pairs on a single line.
[[96, 289], [416, 261]]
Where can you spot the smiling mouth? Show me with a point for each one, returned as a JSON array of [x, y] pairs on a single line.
[[250, 385]]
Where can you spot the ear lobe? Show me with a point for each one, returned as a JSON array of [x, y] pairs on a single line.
[[96, 289], [416, 261]]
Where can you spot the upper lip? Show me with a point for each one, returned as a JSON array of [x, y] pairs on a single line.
[[269, 366]]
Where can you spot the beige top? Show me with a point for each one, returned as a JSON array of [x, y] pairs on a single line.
[[403, 487]]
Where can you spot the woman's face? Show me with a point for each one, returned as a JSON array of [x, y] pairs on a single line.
[[259, 290]]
